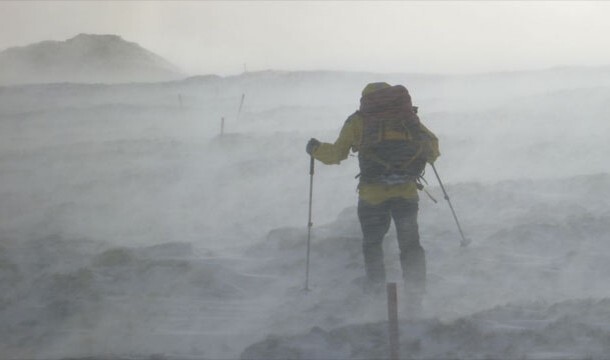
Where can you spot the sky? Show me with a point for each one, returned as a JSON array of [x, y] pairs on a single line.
[[228, 37]]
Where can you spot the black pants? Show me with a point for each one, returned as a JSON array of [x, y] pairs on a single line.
[[375, 222]]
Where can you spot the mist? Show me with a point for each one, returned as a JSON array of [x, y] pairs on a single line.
[[130, 226]]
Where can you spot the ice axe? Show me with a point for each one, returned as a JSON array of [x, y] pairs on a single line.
[[464, 242], [309, 223]]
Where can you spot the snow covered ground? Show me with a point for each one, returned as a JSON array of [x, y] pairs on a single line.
[[129, 228]]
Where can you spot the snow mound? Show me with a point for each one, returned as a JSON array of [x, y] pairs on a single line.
[[567, 330], [541, 253], [86, 295], [532, 264]]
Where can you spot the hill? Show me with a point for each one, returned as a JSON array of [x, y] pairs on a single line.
[[85, 58]]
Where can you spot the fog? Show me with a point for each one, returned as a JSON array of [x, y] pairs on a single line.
[[131, 227], [219, 37]]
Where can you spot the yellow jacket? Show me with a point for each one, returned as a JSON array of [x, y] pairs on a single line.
[[350, 138]]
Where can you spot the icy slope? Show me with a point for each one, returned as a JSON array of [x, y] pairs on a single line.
[[68, 298], [576, 329], [95, 161], [540, 263], [539, 259], [129, 227]]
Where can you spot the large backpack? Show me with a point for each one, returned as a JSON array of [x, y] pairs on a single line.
[[393, 145]]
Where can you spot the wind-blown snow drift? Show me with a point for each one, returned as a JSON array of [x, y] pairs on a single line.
[[128, 227]]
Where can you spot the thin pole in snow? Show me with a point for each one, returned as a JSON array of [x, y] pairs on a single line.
[[241, 104]]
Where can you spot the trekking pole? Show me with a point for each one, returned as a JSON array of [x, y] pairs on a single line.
[[464, 241], [309, 223]]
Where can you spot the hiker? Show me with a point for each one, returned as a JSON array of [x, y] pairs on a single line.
[[393, 148]]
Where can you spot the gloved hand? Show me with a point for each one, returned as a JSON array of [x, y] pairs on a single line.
[[312, 145]]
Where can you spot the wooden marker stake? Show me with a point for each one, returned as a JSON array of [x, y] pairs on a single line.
[[393, 320]]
